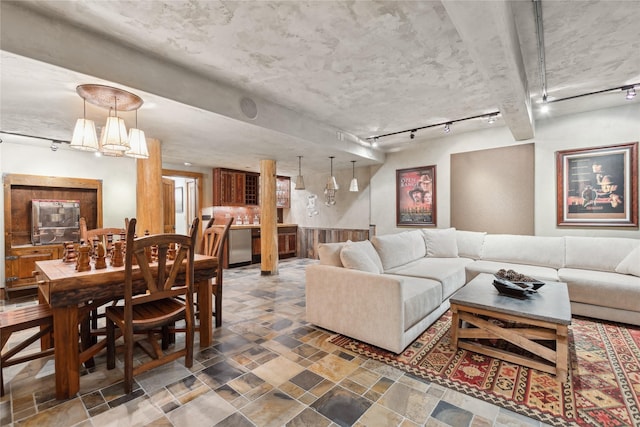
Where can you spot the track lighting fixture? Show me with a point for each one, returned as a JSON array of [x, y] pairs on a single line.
[[447, 127], [631, 92], [373, 140], [491, 119]]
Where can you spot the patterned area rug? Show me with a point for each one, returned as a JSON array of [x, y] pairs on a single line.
[[603, 390]]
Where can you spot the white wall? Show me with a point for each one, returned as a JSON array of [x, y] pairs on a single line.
[[603, 127], [350, 211]]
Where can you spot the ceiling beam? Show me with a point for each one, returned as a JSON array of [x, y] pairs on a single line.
[[488, 30], [30, 34]]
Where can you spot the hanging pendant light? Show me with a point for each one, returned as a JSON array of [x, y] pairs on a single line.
[[300, 178], [331, 188], [138, 143], [84, 134], [354, 181], [332, 184]]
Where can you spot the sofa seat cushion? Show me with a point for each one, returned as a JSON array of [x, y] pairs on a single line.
[[420, 297], [530, 250], [602, 288], [398, 249], [492, 267], [450, 272]]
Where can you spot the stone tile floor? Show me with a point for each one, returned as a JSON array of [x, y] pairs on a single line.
[[267, 367]]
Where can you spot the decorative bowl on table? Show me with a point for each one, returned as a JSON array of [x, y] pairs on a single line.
[[517, 278], [509, 288]]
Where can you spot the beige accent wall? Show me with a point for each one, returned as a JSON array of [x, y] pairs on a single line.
[[493, 190]]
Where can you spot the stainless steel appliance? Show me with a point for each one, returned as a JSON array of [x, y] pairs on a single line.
[[55, 221], [240, 246]]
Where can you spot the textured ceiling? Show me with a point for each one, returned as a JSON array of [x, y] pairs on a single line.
[[325, 75]]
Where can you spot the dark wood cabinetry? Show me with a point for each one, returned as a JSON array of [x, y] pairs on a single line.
[[239, 188], [287, 242], [20, 264], [19, 190], [235, 188]]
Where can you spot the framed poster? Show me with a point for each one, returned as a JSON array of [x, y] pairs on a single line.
[[416, 196], [598, 187]]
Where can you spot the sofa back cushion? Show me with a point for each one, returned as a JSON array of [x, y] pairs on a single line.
[[530, 250], [329, 253], [361, 256], [399, 249], [441, 243], [597, 253], [631, 263], [470, 243]]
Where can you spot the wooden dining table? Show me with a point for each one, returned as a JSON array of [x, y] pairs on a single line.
[[68, 292]]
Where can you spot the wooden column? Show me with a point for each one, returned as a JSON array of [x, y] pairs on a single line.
[[149, 191], [269, 222]]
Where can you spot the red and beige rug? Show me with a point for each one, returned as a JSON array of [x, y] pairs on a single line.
[[604, 388]]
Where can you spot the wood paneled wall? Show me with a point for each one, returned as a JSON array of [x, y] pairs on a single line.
[[309, 238]]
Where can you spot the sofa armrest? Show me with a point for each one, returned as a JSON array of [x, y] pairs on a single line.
[[365, 306]]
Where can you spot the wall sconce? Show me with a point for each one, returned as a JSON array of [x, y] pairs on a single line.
[[354, 181]]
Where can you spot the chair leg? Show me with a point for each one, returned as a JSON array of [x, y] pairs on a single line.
[[111, 344], [218, 303], [128, 363]]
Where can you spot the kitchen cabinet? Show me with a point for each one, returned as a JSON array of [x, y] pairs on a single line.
[[235, 188], [287, 242], [20, 265], [283, 192]]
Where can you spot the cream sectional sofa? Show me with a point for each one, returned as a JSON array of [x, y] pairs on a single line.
[[387, 291]]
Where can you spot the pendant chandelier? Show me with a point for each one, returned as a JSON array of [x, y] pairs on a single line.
[[114, 140], [331, 188]]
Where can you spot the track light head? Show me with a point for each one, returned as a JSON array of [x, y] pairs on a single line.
[[491, 119], [413, 134], [447, 128], [631, 92]]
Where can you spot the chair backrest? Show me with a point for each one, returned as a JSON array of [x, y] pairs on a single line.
[[99, 233], [214, 238], [163, 284]]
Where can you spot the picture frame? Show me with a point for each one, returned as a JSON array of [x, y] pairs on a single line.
[[598, 187], [416, 196], [179, 200]]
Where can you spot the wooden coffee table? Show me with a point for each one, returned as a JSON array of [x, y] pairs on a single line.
[[542, 316]]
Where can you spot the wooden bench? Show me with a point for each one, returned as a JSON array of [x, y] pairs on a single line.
[[21, 319]]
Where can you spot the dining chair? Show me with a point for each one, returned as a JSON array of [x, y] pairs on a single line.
[[21, 319], [214, 239], [90, 313], [157, 304]]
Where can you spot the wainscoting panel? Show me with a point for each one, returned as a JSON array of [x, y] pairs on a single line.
[[309, 238]]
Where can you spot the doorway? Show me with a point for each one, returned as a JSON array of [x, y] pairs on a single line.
[[186, 198]]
